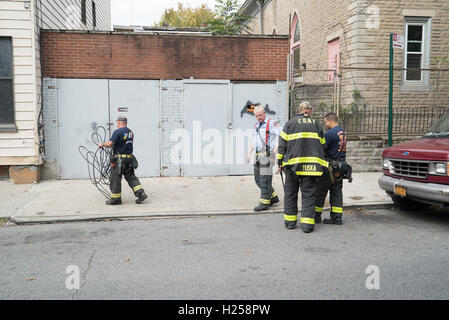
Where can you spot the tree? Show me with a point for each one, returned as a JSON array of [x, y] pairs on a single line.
[[186, 16], [228, 19]]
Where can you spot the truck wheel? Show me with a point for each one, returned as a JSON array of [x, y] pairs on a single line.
[[407, 204]]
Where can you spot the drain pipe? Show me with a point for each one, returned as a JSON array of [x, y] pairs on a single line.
[[259, 2]]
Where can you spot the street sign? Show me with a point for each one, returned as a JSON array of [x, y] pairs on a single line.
[[398, 41]]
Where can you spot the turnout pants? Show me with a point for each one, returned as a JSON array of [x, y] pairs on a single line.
[[336, 195], [264, 182], [307, 185], [125, 168]]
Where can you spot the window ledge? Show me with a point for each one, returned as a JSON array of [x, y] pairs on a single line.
[[415, 87], [8, 128]]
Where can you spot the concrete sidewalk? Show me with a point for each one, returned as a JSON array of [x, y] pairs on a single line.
[[75, 200]]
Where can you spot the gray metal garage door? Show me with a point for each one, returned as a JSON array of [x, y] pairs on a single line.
[[210, 114], [85, 104]]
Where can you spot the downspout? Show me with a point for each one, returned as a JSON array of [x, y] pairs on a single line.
[[259, 2]]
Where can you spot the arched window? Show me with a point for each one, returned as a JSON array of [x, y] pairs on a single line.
[[295, 44]]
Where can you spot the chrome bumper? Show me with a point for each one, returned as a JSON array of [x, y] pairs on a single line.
[[420, 190]]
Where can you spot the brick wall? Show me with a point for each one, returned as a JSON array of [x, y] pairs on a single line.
[[135, 56]]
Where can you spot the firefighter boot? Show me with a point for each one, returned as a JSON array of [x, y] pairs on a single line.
[[274, 200], [290, 225], [261, 207], [114, 201], [333, 220], [317, 218], [306, 228], [141, 198]]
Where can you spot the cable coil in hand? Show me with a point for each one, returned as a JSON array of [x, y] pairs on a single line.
[[98, 162]]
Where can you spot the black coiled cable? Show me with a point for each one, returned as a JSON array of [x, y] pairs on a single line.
[[98, 162]]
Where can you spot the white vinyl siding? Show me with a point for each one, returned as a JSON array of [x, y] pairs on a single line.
[[16, 21], [66, 14], [23, 25]]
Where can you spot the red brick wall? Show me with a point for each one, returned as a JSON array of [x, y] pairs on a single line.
[[136, 56]]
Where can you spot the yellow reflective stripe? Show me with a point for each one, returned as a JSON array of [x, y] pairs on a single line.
[[289, 217], [308, 173], [322, 162], [318, 209], [265, 201], [273, 195], [137, 187], [116, 195], [283, 135], [280, 156], [303, 135], [307, 220], [337, 209]]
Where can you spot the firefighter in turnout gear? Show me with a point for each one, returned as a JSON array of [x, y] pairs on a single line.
[[301, 157], [123, 162], [332, 180], [264, 144]]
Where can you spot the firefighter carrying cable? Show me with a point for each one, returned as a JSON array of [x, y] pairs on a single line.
[[123, 162], [301, 157]]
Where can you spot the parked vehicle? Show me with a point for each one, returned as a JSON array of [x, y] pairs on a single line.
[[416, 173]]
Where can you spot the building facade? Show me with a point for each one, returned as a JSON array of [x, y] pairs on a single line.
[[185, 96], [21, 119], [359, 30]]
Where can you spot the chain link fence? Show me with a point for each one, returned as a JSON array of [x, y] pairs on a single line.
[[360, 96]]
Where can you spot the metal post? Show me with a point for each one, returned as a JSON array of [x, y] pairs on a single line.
[[390, 97]]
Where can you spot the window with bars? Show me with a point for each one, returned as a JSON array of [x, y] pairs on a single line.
[[417, 49], [7, 118]]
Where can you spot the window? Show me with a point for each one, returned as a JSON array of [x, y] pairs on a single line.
[[333, 49], [297, 35], [7, 119], [94, 15], [417, 49], [83, 12], [295, 48]]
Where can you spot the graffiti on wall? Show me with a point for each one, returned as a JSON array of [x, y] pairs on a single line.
[[249, 109]]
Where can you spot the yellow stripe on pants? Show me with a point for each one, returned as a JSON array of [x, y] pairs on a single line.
[[308, 220], [289, 217]]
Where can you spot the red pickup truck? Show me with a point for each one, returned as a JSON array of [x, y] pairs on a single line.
[[416, 173]]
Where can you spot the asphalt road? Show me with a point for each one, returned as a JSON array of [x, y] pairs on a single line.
[[375, 254]]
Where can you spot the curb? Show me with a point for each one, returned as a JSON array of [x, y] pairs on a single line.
[[164, 215]]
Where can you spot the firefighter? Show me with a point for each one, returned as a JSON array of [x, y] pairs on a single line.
[[332, 181], [123, 162], [301, 157], [264, 143]]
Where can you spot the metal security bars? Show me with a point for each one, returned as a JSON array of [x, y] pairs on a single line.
[[360, 98]]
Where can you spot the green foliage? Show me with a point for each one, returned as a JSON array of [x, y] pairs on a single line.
[[227, 19], [322, 107], [186, 16], [356, 94]]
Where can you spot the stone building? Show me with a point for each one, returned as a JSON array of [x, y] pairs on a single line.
[[359, 30]]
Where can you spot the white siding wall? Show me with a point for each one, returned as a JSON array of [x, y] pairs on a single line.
[[17, 22], [23, 25], [66, 14]]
